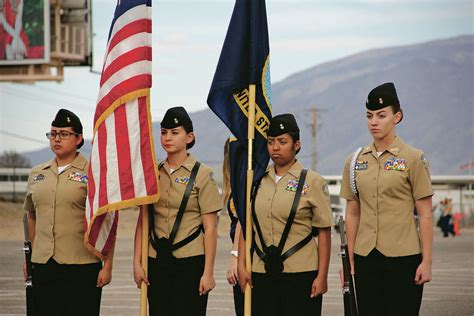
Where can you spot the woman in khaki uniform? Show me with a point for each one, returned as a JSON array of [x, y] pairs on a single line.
[[181, 249], [383, 183], [289, 269], [67, 278]]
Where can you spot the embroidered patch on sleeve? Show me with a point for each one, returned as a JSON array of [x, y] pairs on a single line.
[[212, 177], [325, 190], [424, 161]]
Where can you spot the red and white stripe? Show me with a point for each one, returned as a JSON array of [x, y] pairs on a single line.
[[122, 168]]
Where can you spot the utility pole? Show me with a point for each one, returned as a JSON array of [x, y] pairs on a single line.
[[314, 127]]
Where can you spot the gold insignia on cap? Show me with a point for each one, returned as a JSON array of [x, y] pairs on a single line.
[[380, 100], [175, 120], [68, 119], [282, 127]]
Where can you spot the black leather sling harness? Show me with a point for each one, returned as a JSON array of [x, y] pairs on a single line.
[[164, 246], [272, 256]]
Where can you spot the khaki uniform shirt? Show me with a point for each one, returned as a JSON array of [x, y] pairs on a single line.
[[273, 205], [388, 187], [59, 203], [205, 198]]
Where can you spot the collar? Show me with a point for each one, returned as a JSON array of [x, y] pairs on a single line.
[[295, 170], [188, 163], [79, 162], [394, 148]]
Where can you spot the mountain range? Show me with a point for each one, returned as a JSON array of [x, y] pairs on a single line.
[[434, 82]]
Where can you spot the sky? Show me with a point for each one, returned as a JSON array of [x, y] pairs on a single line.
[[187, 40]]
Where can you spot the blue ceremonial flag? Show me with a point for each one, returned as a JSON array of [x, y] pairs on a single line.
[[244, 60]]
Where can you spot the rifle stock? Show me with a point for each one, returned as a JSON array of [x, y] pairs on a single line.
[[29, 279], [348, 292]]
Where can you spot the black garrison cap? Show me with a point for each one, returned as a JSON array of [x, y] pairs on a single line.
[[175, 117], [383, 96], [281, 124], [65, 118]]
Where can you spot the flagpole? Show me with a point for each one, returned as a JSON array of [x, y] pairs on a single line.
[[144, 287], [248, 216]]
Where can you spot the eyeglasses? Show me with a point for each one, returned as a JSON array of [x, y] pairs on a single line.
[[62, 134]]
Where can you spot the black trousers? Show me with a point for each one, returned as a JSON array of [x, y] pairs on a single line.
[[285, 295], [174, 289], [446, 226], [239, 300], [66, 289], [386, 285]]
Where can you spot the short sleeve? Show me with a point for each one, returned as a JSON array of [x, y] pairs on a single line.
[[322, 213], [420, 177], [346, 192], [209, 198], [28, 204]]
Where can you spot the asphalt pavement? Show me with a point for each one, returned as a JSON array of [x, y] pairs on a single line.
[[450, 293]]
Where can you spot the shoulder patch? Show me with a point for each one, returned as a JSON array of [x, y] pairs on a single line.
[[212, 177], [424, 161], [325, 189]]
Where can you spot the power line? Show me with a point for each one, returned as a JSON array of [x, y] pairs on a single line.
[[35, 97], [23, 137], [72, 95]]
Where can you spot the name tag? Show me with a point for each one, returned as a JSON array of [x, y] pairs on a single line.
[[398, 164], [39, 177], [78, 177], [182, 180], [361, 165]]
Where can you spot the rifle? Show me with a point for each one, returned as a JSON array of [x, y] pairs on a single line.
[[29, 279], [348, 292]]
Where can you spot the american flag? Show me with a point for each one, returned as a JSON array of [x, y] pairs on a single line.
[[122, 170]]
